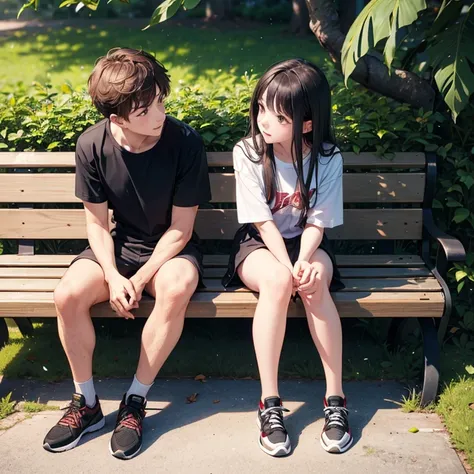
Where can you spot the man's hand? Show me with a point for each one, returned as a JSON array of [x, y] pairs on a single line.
[[123, 296], [304, 276], [138, 283]]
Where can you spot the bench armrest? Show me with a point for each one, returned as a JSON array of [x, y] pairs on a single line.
[[452, 249]]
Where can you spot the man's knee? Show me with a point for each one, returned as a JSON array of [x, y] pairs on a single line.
[[69, 295], [178, 284]]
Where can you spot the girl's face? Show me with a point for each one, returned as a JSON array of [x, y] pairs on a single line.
[[274, 127]]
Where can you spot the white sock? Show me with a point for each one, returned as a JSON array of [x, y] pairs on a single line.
[[87, 389], [138, 388]]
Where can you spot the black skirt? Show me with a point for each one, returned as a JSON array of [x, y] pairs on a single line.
[[247, 239]]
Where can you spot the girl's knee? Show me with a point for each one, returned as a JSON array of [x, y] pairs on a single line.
[[278, 283], [319, 296]]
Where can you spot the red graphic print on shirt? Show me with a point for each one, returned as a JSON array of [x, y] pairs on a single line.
[[283, 200]]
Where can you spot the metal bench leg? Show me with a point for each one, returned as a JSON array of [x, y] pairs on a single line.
[[24, 325], [4, 336], [431, 353]]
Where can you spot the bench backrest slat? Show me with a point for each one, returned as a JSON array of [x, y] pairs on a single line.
[[66, 160], [359, 224], [358, 187]]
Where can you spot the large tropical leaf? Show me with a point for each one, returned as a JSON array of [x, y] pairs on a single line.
[[452, 56], [448, 14], [379, 19]]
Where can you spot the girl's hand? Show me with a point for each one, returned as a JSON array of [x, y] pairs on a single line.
[[295, 283], [304, 275]]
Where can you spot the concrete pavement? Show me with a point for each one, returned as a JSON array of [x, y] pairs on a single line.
[[217, 434]]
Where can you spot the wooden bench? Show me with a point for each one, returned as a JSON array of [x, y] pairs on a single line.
[[395, 196]]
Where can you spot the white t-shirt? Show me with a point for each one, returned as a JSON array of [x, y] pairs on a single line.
[[284, 210]]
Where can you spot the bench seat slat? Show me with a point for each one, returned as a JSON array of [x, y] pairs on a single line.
[[352, 284], [218, 272], [11, 260], [209, 304]]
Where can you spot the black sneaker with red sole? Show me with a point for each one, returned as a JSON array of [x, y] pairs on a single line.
[[78, 420], [126, 440]]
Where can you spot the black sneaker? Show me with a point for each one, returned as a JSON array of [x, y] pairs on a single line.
[[336, 436], [126, 439], [273, 438], [78, 420]]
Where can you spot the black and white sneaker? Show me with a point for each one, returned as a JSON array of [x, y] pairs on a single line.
[[273, 438], [336, 436], [78, 420], [126, 439]]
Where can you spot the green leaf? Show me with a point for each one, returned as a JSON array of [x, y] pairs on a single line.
[[164, 12], [53, 145], [3, 145], [437, 204], [455, 187], [460, 215], [378, 20], [190, 4], [27, 5], [450, 202], [469, 369], [447, 14], [468, 180], [461, 286], [451, 55], [460, 274], [414, 430]]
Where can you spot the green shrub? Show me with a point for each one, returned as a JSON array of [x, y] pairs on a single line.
[[39, 118]]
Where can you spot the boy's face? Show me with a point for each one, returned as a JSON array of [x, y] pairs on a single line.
[[147, 121]]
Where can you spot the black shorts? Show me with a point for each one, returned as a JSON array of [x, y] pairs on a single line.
[[132, 254], [247, 239]]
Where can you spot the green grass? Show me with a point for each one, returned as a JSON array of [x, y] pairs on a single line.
[[35, 407], [7, 407], [223, 348], [456, 406], [201, 54]]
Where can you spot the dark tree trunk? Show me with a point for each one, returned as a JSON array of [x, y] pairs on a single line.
[[347, 14], [370, 71], [299, 24]]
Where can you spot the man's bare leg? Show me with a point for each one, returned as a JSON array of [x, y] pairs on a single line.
[[82, 286]]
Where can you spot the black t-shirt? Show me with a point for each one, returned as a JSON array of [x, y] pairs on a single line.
[[141, 188]]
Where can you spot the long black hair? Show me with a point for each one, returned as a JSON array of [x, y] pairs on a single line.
[[300, 91]]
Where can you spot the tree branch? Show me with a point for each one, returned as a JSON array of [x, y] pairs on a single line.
[[371, 72]]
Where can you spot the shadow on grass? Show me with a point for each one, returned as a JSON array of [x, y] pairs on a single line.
[[216, 347], [191, 51]]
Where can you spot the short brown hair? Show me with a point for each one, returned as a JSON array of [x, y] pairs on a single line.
[[125, 80]]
